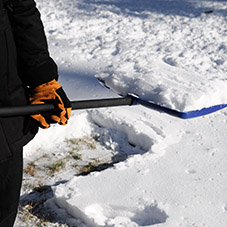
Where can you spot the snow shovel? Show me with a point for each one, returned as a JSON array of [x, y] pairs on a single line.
[[130, 99]]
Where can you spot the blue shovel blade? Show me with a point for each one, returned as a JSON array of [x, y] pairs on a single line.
[[176, 113]]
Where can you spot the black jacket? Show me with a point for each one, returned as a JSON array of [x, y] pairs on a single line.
[[34, 63], [24, 62]]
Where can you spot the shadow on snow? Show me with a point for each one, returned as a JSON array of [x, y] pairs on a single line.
[[142, 8]]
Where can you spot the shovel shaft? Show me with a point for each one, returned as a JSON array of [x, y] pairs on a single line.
[[76, 105], [98, 103]]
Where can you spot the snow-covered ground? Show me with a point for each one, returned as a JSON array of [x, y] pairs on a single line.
[[143, 168]]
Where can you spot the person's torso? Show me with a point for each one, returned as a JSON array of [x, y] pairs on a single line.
[[12, 93]]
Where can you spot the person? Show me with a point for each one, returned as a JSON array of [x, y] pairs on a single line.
[[27, 75]]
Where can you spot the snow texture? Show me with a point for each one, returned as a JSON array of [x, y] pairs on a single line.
[[172, 52], [165, 85]]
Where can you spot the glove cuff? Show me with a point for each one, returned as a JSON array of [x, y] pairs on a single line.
[[51, 85]]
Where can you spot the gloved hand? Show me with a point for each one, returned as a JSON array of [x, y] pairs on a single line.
[[51, 92]]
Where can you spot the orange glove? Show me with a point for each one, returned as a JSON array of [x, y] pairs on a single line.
[[51, 92]]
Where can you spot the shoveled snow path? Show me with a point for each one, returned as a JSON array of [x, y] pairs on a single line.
[[177, 189]]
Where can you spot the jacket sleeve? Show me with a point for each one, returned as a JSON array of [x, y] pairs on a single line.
[[35, 66]]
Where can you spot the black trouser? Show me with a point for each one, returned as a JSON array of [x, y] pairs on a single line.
[[10, 184]]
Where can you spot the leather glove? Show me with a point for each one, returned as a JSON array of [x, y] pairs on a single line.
[[51, 92]]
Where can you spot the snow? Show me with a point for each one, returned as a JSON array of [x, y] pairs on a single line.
[[165, 85], [165, 171]]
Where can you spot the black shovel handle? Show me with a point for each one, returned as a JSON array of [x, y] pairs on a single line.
[[76, 105]]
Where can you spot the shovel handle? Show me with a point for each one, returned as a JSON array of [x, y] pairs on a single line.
[[14, 111]]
